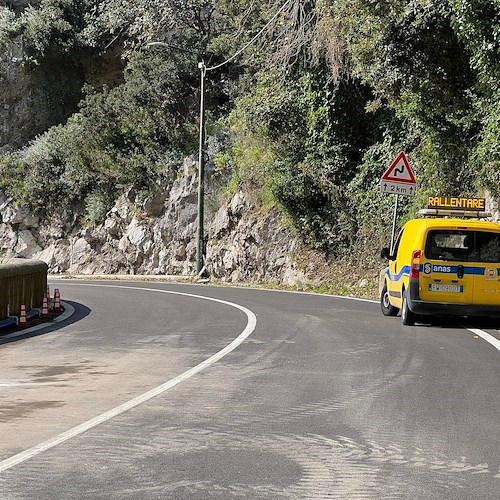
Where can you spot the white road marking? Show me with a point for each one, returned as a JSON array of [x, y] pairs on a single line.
[[172, 282], [315, 294], [486, 336], [79, 429]]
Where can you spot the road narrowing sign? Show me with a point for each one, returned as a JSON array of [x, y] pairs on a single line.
[[399, 178]]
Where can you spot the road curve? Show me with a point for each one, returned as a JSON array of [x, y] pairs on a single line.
[[322, 398]]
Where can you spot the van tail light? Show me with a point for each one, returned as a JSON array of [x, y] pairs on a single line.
[[415, 263]]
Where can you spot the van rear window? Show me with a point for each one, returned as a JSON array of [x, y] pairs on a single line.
[[463, 246]]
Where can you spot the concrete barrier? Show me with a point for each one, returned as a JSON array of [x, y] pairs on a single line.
[[22, 281]]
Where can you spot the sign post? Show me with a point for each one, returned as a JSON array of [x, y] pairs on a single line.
[[394, 220], [398, 179]]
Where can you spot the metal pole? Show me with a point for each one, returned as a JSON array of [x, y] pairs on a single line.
[[201, 171], [394, 223], [201, 154]]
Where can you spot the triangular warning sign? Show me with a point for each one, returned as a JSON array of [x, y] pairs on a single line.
[[400, 171]]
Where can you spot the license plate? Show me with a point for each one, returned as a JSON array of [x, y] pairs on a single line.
[[437, 287]]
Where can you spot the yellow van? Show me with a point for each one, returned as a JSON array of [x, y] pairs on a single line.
[[442, 266]]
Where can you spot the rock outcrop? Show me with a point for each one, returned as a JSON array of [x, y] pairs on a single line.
[[158, 236]]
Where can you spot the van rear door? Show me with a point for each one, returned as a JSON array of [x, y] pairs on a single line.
[[446, 275]]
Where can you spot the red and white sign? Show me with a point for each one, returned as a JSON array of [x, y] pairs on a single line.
[[399, 177]]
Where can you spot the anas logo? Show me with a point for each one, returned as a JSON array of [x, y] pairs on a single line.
[[441, 269], [429, 268]]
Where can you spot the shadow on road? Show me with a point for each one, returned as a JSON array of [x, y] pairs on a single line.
[[461, 322], [483, 323], [50, 326]]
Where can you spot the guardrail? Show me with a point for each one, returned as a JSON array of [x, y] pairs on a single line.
[[22, 281]]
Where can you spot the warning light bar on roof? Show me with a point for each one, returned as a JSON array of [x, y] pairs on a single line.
[[456, 203], [439, 212]]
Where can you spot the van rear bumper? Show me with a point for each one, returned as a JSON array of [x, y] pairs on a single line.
[[445, 308]]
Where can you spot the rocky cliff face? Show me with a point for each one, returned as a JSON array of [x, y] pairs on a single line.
[[157, 236], [35, 97]]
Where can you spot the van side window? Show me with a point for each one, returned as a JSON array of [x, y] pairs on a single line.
[[398, 241]]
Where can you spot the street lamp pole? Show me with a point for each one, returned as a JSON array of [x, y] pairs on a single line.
[[201, 145], [201, 155], [201, 172]]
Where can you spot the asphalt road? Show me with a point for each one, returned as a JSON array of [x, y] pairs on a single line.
[[322, 398]]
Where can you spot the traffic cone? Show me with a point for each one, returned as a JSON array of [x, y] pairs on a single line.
[[57, 300], [44, 313], [23, 320]]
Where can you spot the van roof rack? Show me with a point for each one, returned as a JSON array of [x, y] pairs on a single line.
[[469, 214]]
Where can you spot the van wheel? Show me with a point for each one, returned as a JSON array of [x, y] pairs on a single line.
[[408, 318], [385, 304]]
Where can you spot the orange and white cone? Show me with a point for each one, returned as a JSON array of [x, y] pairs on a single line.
[[44, 313], [23, 320], [57, 300]]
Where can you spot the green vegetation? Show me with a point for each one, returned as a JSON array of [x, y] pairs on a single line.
[[310, 115]]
